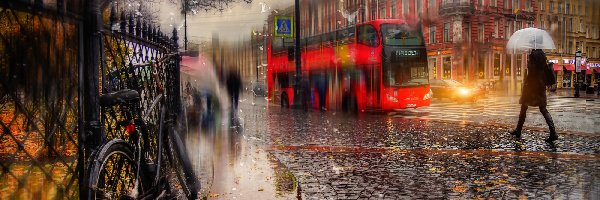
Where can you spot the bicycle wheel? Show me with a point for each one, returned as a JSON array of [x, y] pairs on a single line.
[[180, 162], [114, 172]]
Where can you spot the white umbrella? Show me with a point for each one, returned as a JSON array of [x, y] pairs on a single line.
[[529, 38]]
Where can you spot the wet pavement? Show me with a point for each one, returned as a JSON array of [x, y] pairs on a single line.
[[376, 156], [570, 114]]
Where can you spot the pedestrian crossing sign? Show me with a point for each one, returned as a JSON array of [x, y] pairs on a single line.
[[284, 26]]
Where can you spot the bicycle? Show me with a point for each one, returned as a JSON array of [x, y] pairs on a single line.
[[129, 167]]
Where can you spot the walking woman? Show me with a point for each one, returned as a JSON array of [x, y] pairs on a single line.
[[534, 93]]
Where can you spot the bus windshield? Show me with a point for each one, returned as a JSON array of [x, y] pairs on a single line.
[[398, 75], [401, 35]]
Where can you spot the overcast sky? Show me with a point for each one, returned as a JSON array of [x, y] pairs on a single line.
[[232, 24]]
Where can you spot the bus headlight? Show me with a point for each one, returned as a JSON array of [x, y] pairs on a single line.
[[429, 95], [392, 99]]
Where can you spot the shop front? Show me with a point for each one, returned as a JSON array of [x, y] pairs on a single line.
[[567, 77], [595, 75]]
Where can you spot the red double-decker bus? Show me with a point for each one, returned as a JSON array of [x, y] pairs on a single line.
[[377, 65]]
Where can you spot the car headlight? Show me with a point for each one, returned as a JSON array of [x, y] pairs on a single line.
[[464, 91], [429, 95]]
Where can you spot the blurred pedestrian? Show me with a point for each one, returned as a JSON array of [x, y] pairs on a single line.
[[306, 93], [321, 84], [534, 93], [598, 88], [234, 87]]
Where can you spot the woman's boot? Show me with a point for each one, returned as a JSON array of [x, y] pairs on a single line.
[[517, 131], [553, 136]]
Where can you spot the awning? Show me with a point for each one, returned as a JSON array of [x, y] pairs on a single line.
[[588, 72], [569, 67], [557, 67], [597, 69]]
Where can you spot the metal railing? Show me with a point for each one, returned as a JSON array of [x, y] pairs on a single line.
[[56, 58]]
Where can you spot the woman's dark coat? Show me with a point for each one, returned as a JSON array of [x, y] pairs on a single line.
[[534, 89]]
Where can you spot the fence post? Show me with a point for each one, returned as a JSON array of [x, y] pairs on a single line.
[[90, 134], [177, 93]]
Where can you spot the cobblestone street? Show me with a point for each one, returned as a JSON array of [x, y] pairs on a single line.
[[374, 156]]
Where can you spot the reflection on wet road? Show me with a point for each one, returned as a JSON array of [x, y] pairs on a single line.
[[570, 114], [336, 156]]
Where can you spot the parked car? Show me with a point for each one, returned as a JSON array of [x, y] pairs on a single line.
[[454, 90]]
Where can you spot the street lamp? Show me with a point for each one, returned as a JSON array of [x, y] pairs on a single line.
[[577, 70], [297, 49]]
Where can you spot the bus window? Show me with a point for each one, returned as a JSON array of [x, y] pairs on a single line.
[[400, 35], [367, 35]]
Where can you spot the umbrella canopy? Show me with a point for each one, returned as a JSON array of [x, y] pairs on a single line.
[[529, 38]]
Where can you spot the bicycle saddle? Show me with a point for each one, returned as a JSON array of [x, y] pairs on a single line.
[[125, 96]]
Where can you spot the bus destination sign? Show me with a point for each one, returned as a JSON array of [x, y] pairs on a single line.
[[406, 53]]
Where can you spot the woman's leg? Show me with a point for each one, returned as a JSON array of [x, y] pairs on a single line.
[[522, 116], [550, 123]]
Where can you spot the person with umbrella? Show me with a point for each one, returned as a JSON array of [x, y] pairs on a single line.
[[534, 87]]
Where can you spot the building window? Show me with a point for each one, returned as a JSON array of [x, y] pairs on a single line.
[[506, 4], [551, 7], [528, 5], [393, 9], [506, 31], [468, 32], [542, 5], [515, 4], [433, 67], [496, 64], [480, 33], [581, 25], [576, 46], [382, 13], [373, 14], [432, 34], [405, 8], [447, 67], [496, 29], [568, 9], [480, 2], [494, 3], [560, 8], [570, 28], [570, 49], [431, 3], [419, 6], [446, 32]]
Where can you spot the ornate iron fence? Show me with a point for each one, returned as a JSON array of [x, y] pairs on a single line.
[[55, 60], [39, 62], [138, 56]]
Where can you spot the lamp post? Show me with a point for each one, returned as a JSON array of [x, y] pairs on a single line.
[[577, 70], [185, 37], [297, 51]]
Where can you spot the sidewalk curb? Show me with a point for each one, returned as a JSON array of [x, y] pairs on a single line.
[[295, 181]]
